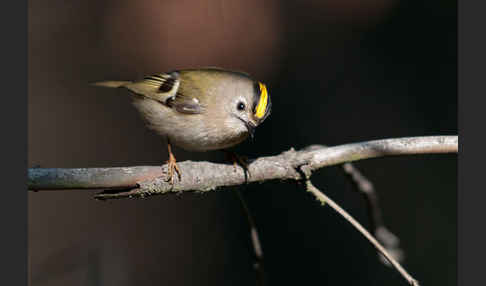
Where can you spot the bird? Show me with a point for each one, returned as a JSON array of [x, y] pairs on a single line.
[[199, 109]]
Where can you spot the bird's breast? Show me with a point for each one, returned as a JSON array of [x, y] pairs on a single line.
[[192, 132]]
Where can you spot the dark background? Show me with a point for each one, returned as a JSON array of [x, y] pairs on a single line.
[[337, 71]]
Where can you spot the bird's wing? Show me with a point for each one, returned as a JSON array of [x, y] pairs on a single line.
[[167, 89], [159, 87]]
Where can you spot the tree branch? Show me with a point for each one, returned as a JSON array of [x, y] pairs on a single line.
[[325, 199], [205, 176], [389, 240]]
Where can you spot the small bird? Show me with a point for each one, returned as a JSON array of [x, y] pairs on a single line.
[[199, 109]]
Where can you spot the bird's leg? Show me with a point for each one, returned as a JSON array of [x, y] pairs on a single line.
[[172, 165], [238, 160]]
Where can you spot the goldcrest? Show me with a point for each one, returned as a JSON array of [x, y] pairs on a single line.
[[199, 109]]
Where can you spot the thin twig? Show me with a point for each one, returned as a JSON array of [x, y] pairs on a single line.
[[325, 199], [204, 176], [255, 240], [364, 186]]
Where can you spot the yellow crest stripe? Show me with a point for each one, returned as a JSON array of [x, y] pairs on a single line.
[[262, 104]]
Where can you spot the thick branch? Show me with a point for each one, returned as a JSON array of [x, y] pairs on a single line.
[[206, 176]]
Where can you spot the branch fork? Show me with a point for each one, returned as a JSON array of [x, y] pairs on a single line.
[[144, 181]]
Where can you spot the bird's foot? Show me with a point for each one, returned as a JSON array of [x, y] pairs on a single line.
[[172, 168], [239, 160]]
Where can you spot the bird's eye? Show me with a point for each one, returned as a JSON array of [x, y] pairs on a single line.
[[241, 106]]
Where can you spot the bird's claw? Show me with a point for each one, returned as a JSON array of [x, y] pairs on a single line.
[[240, 160], [171, 168]]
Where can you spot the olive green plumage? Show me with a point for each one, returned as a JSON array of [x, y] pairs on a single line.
[[199, 109]]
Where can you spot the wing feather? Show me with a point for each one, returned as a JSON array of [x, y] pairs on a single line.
[[168, 89]]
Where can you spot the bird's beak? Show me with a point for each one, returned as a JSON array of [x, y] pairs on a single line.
[[251, 128]]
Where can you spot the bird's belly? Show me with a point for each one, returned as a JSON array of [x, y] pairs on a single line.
[[191, 132], [205, 143]]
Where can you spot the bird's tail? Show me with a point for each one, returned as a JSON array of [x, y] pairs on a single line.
[[111, 84]]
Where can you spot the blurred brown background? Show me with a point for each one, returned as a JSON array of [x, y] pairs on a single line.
[[337, 71]]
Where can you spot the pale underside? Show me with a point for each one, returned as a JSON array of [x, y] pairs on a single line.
[[192, 132]]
